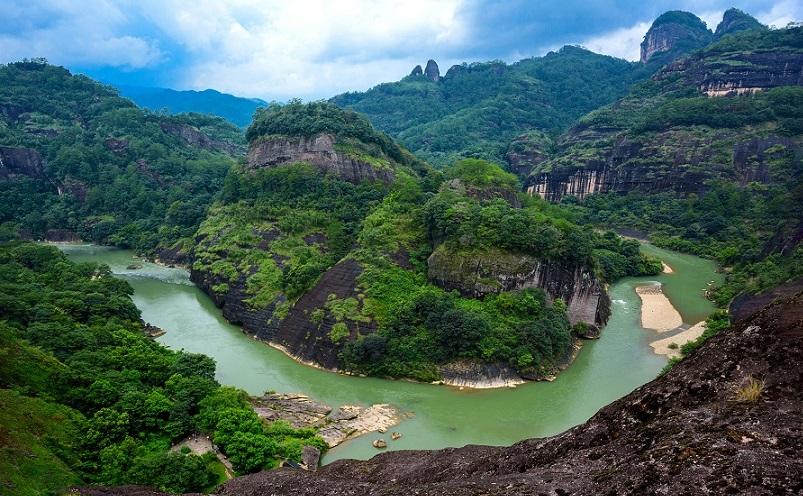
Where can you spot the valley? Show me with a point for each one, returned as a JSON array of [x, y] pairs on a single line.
[[605, 369], [570, 274]]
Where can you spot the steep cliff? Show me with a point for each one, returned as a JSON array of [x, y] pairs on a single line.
[[670, 135], [322, 151], [480, 273], [723, 421], [673, 33], [21, 162]]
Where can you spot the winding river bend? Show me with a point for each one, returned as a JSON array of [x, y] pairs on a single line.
[[606, 369]]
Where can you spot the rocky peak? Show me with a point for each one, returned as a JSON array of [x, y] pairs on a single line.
[[417, 71], [735, 20], [319, 151], [432, 72], [21, 162], [673, 33]]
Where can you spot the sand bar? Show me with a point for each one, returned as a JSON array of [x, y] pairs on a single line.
[[667, 269], [661, 346], [657, 312]]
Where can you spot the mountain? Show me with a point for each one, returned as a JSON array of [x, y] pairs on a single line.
[[734, 20], [674, 33], [475, 110], [88, 396], [706, 156], [722, 421], [79, 161], [235, 109], [340, 247]]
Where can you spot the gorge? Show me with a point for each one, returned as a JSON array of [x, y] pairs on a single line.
[[441, 416]]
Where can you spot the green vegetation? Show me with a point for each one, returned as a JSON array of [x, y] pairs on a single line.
[[476, 110], [299, 119], [87, 397], [721, 176], [111, 172]]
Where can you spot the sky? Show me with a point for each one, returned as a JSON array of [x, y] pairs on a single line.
[[312, 49]]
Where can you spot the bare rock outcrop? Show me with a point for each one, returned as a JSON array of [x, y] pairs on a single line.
[[674, 31], [16, 162], [431, 71], [487, 272], [334, 425], [319, 151], [196, 138]]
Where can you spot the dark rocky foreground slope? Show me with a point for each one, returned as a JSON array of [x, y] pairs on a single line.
[[684, 433]]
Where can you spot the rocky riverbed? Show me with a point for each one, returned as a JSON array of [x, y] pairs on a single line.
[[333, 425]]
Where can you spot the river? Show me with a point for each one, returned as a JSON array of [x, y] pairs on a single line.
[[605, 370]]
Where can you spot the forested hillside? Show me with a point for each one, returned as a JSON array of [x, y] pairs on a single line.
[[475, 110], [706, 156], [86, 396], [348, 260], [75, 156]]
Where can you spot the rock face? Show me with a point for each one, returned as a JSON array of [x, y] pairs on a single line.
[[674, 31], [432, 72], [417, 71], [333, 425], [319, 151], [683, 433], [21, 162], [196, 138], [526, 152], [481, 273], [676, 160], [479, 375], [735, 20], [295, 334], [738, 73]]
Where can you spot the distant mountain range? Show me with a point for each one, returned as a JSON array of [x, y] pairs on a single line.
[[236, 109]]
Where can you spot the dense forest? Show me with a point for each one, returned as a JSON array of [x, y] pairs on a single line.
[[94, 163], [720, 177], [476, 109], [278, 230], [95, 400], [432, 263]]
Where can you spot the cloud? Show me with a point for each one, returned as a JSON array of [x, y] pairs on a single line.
[[781, 14], [90, 32], [318, 48], [303, 48], [624, 43]]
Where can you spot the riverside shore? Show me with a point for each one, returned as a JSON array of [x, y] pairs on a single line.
[[662, 346], [657, 312]]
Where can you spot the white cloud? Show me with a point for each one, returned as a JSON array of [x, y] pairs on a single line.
[[73, 33], [624, 43], [782, 13], [309, 49]]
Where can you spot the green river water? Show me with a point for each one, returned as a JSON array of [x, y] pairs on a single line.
[[605, 370]]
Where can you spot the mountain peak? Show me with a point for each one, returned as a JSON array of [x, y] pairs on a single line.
[[432, 72], [735, 20], [674, 32]]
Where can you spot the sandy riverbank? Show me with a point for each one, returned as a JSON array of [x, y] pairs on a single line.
[[657, 312], [667, 269], [662, 346]]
